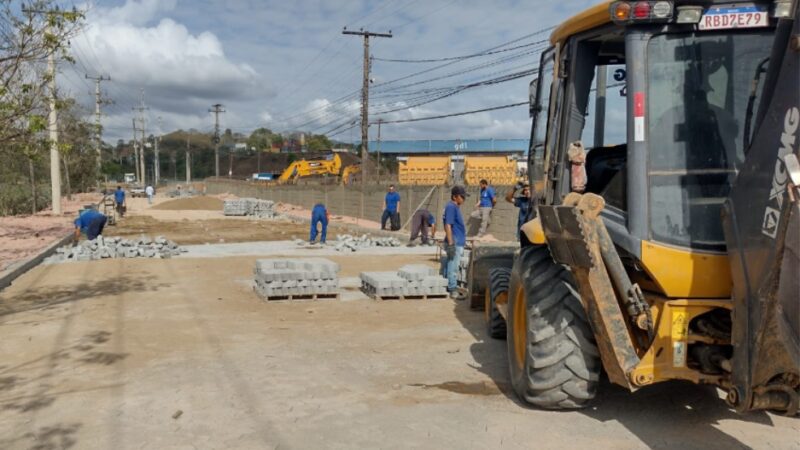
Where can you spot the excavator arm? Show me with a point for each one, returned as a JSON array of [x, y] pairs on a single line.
[[762, 226]]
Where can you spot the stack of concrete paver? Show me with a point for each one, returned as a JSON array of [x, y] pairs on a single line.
[[463, 270], [349, 243], [117, 247], [263, 209], [307, 278], [411, 281]]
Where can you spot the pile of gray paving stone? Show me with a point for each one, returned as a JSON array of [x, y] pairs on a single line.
[[263, 209], [463, 270], [412, 280], [349, 243], [279, 278], [117, 247], [181, 193]]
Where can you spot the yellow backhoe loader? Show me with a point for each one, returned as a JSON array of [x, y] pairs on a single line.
[[665, 241]]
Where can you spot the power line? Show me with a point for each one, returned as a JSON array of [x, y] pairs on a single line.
[[453, 58], [444, 116]]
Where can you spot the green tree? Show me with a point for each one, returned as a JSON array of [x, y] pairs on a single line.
[[318, 142]]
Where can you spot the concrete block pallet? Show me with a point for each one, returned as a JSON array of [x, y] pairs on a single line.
[[263, 209], [297, 279], [411, 282]]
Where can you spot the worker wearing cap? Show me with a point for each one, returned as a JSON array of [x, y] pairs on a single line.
[[484, 206], [319, 215], [521, 201], [455, 239], [421, 223], [91, 222], [391, 206]]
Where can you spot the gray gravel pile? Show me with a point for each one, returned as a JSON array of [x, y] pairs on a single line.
[[294, 277], [410, 280], [263, 209], [117, 247], [349, 243]]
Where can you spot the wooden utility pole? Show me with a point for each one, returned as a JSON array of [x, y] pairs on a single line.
[[136, 153], [380, 121], [365, 97], [97, 102], [157, 161], [216, 109]]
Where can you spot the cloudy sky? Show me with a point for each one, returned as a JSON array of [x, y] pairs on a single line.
[[285, 65]]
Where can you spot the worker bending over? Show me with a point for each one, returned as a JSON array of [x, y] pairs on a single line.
[[484, 207], [521, 201], [421, 223], [455, 239], [319, 215], [91, 222]]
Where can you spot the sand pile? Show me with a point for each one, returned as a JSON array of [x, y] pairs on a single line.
[[191, 203]]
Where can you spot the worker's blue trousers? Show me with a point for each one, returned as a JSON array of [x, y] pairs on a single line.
[[318, 216]]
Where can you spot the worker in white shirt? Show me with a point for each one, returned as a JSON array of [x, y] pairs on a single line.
[[150, 193]]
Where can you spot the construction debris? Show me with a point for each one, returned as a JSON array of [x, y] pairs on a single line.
[[263, 209], [117, 247], [180, 193], [289, 279], [349, 243], [411, 281]]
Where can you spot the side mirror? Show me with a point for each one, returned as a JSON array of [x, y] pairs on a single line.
[[533, 107]]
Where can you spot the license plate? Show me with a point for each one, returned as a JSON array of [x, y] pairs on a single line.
[[727, 18]]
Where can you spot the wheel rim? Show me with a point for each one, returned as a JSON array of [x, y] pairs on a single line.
[[520, 327]]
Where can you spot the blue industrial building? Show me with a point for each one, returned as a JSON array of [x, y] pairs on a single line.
[[458, 146]]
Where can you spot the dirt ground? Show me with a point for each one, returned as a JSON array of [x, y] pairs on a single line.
[[22, 237], [192, 203], [180, 353]]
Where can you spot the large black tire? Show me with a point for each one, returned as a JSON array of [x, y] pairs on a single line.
[[552, 354], [499, 279]]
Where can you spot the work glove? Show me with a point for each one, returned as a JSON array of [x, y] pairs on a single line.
[[450, 250]]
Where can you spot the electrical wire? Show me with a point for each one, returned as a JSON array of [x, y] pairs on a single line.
[[444, 116]]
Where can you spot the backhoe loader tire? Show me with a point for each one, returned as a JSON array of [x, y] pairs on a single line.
[[499, 278], [552, 353]]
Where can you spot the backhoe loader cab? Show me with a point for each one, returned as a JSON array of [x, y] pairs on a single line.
[[643, 117]]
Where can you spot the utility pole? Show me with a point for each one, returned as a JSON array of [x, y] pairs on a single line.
[[380, 121], [216, 109], [55, 157], [157, 162], [141, 109], [188, 162], [365, 97], [97, 102], [136, 153]]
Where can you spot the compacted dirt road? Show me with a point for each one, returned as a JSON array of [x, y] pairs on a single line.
[[180, 353]]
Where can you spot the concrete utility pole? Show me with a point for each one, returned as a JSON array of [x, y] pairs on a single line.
[[141, 109], [216, 109], [380, 121], [157, 162], [55, 157], [365, 97], [136, 153], [97, 102], [188, 162]]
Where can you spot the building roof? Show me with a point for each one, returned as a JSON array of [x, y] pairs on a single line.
[[450, 146]]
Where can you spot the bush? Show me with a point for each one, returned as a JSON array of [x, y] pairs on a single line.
[[17, 199]]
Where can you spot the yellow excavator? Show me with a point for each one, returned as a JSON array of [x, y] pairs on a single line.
[[665, 239], [329, 166]]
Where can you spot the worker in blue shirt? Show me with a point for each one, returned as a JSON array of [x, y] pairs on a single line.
[[391, 206], [521, 201], [319, 215], [91, 222], [119, 199], [455, 239], [423, 223], [483, 211]]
